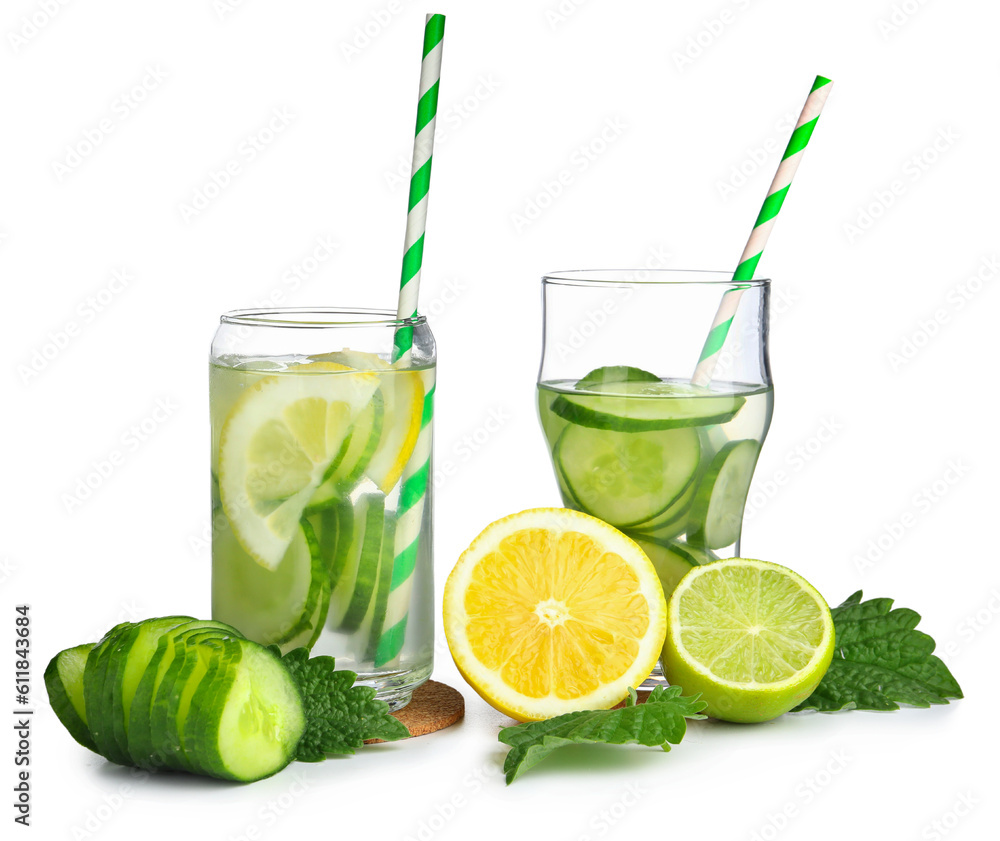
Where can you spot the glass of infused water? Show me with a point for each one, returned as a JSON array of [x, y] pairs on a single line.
[[634, 441], [321, 505]]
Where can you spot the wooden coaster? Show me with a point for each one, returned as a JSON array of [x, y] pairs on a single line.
[[434, 706]]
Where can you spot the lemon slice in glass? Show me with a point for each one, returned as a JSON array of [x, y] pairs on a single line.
[[402, 393], [277, 443]]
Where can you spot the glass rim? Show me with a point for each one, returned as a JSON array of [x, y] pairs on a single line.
[[649, 277], [320, 317]]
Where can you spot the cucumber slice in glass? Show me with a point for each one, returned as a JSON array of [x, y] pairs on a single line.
[[335, 538], [672, 561], [615, 374], [627, 478], [639, 406], [375, 620], [356, 453], [671, 522], [265, 604], [306, 630], [354, 588], [64, 685], [717, 512], [365, 437]]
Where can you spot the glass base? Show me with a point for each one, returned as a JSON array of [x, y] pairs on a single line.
[[396, 687], [655, 679]]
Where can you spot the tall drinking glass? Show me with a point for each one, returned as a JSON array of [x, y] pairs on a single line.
[[321, 449], [632, 440]]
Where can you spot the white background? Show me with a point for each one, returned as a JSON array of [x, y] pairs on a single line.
[[882, 333]]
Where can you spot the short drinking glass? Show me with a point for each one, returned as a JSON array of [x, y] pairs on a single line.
[[633, 441]]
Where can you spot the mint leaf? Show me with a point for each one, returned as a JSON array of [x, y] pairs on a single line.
[[339, 715], [658, 722], [880, 661]]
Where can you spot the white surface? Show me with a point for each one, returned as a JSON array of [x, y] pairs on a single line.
[[525, 85]]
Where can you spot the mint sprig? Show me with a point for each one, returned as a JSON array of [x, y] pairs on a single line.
[[339, 715], [880, 661], [659, 722]]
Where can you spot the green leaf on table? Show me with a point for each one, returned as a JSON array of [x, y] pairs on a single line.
[[659, 722], [339, 715], [880, 661]]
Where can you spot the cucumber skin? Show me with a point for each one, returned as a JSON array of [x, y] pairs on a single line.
[[194, 646], [163, 711], [199, 730], [112, 683], [169, 688], [159, 748], [97, 698], [113, 654], [344, 538], [148, 628], [346, 476], [317, 597], [382, 587], [616, 374], [697, 529], [141, 747], [196, 727], [374, 530], [578, 415], [61, 704], [671, 522], [220, 701]]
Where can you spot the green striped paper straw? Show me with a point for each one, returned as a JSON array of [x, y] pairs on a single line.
[[413, 484], [762, 229], [420, 182], [410, 515]]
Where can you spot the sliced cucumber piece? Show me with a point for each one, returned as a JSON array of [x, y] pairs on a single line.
[[402, 394], [353, 590], [140, 732], [305, 631], [64, 684], [329, 492], [252, 729], [716, 515], [637, 406], [198, 653], [375, 620], [671, 522], [264, 604], [672, 561], [199, 729], [336, 536], [97, 694], [135, 652], [615, 374], [697, 554], [365, 436], [627, 478]]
